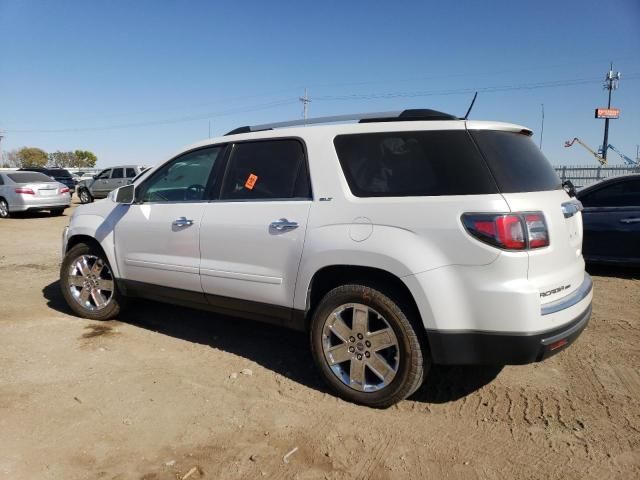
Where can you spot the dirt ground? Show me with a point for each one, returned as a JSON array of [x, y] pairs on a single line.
[[159, 394]]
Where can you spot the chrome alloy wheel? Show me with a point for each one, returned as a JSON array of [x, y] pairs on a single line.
[[4, 209], [90, 282], [360, 347]]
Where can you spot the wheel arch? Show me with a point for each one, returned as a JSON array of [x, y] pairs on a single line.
[[92, 241], [331, 276]]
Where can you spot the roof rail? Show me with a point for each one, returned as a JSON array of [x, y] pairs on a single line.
[[396, 116]]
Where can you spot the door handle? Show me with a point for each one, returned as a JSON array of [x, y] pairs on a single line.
[[630, 220], [283, 225], [182, 222]]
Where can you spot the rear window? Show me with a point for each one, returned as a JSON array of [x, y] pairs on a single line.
[[59, 172], [430, 163], [516, 163], [28, 177]]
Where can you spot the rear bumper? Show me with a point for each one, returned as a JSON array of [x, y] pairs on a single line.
[[486, 348], [516, 348], [41, 204]]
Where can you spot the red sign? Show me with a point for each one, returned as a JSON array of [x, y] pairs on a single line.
[[607, 112]]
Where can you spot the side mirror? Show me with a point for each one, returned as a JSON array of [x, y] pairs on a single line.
[[126, 194]]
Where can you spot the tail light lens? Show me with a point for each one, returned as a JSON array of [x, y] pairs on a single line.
[[536, 230], [25, 191], [63, 190], [512, 231]]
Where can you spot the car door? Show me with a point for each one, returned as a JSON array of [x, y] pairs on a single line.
[[100, 186], [117, 179], [251, 238], [157, 237], [611, 219]]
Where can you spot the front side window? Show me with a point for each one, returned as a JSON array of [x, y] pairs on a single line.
[[620, 194], [421, 163], [184, 179], [105, 174], [270, 169]]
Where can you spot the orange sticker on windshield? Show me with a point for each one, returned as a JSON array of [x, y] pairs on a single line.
[[251, 181]]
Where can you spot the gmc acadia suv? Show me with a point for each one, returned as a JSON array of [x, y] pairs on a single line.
[[399, 241]]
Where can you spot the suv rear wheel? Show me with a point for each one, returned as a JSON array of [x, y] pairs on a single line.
[[88, 285], [365, 346]]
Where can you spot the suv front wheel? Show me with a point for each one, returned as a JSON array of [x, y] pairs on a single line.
[[365, 346], [88, 284], [85, 196]]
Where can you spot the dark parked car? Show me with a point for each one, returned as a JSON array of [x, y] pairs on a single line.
[[611, 219], [58, 174]]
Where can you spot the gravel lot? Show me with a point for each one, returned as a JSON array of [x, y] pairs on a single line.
[[160, 394]]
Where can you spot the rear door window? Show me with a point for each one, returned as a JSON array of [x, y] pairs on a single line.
[[269, 169], [117, 173], [422, 163], [516, 162], [130, 172]]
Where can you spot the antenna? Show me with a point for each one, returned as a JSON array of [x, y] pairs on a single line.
[[471, 106]]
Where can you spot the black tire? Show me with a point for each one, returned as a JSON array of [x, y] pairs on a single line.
[[116, 302], [85, 196], [55, 212], [4, 208], [413, 359]]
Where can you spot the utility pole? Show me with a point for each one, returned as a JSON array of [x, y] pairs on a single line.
[[610, 83], [542, 127], [1, 160], [305, 104]]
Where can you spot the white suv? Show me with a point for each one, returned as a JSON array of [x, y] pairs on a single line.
[[402, 240]]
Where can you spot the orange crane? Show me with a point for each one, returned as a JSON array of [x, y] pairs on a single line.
[[569, 143]]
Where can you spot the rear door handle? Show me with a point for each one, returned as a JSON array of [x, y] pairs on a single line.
[[283, 225], [630, 220], [182, 222]]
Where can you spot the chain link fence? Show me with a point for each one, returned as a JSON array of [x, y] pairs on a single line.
[[583, 176]]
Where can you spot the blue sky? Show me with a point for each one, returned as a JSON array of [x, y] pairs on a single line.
[[136, 81]]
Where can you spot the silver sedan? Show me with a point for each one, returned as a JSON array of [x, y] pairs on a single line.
[[30, 191]]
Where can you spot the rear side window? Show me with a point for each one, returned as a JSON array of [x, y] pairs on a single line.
[[131, 173], [271, 169], [419, 163], [516, 162], [28, 177]]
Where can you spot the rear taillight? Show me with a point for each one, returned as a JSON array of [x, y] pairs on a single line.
[[63, 190], [510, 231], [536, 230], [25, 191]]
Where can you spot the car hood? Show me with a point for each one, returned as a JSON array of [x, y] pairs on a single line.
[[100, 208]]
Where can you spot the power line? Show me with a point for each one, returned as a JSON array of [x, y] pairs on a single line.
[[350, 97], [161, 122], [487, 89]]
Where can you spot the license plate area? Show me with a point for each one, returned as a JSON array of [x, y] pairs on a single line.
[[47, 192]]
